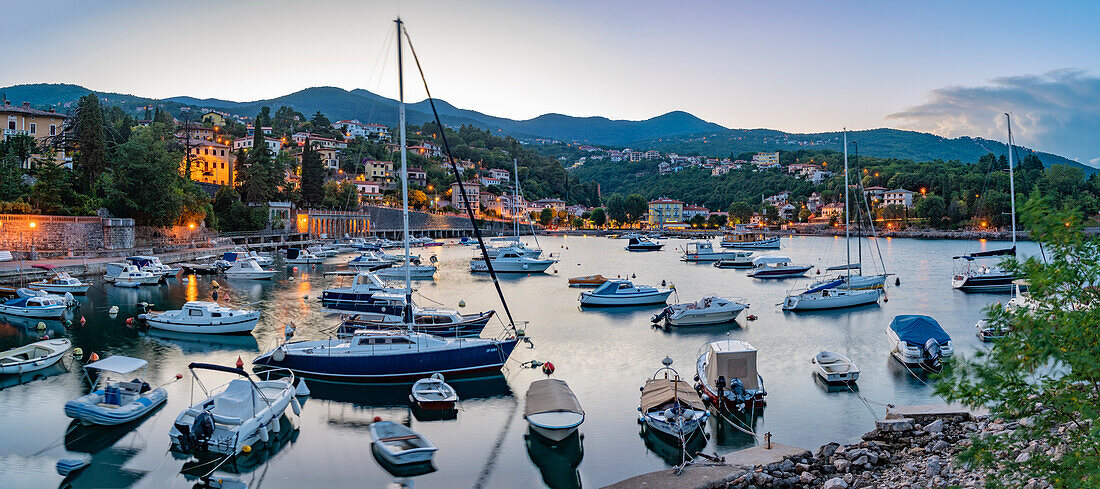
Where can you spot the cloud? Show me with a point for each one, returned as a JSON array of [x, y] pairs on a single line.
[[1056, 112]]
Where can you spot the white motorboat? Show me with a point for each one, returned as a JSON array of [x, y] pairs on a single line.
[[152, 264], [127, 275], [919, 340], [248, 269], [552, 410], [727, 377], [511, 262], [835, 368], [416, 272], [243, 412], [671, 407], [1022, 298], [643, 243], [203, 317], [988, 331], [369, 260], [743, 237], [59, 283], [322, 251], [831, 295], [262, 259], [238, 254], [33, 357], [708, 310], [737, 259], [776, 267], [298, 256], [114, 401], [399, 444], [433, 393], [363, 287], [516, 247], [624, 293], [35, 304], [704, 251]]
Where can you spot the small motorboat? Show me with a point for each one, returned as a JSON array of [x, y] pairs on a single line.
[[446, 323], [127, 275], [708, 310], [727, 376], [244, 413], [322, 251], [369, 260], [588, 281], [33, 357], [670, 406], [988, 331], [835, 368], [739, 259], [776, 267], [117, 401], [919, 340], [153, 265], [552, 410], [697, 251], [238, 254], [399, 444], [642, 243], [35, 304], [59, 283], [416, 272], [203, 317], [298, 256], [513, 262], [248, 269], [433, 393], [624, 293]]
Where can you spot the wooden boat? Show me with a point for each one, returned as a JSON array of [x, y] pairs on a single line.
[[433, 393], [588, 281], [835, 368], [60, 283], [33, 357], [400, 445], [552, 410], [670, 406], [117, 401]]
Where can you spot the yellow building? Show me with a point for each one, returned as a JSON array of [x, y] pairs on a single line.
[[211, 162], [214, 118], [39, 124], [662, 211]]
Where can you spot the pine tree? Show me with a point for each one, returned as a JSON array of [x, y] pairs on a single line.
[[148, 116], [90, 159], [257, 185], [312, 176]]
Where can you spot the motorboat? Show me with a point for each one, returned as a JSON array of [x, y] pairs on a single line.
[[35, 304], [240, 254], [33, 357], [1021, 297], [696, 251], [834, 368], [242, 413], [203, 317], [394, 258], [588, 281], [630, 235], [415, 271], [516, 247], [643, 243], [624, 293], [262, 259], [388, 356], [831, 295], [369, 260], [726, 376], [747, 238], [59, 282], [552, 410], [447, 323], [298, 256], [113, 399], [152, 264], [708, 310], [399, 444], [739, 259], [776, 267], [363, 287], [989, 331], [322, 251], [511, 262], [347, 245], [919, 340], [248, 269], [127, 275], [378, 306], [671, 407], [433, 393]]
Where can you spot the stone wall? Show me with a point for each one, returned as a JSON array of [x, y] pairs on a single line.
[[64, 234]]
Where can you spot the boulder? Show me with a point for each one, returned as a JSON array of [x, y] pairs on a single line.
[[940, 446], [836, 483], [935, 426], [895, 425]]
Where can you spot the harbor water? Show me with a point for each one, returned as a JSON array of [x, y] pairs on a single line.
[[604, 354]]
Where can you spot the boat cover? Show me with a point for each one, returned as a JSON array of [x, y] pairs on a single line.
[[44, 266], [830, 285], [917, 329], [139, 261], [230, 256], [118, 364], [732, 359], [551, 396], [292, 253], [980, 254], [853, 266], [610, 287], [658, 392]]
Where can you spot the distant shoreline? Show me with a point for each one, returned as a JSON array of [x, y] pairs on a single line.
[[912, 234]]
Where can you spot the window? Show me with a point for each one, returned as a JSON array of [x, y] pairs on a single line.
[[216, 314], [195, 312], [53, 130], [34, 128], [11, 123]]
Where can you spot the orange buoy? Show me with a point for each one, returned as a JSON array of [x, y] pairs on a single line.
[[240, 363], [94, 357]]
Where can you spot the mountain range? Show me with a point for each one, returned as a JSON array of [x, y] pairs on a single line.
[[674, 131]]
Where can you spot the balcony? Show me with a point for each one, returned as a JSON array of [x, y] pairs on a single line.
[[15, 132]]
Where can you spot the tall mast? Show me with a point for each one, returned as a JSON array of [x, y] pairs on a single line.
[[404, 176], [515, 198], [1011, 182], [847, 231]]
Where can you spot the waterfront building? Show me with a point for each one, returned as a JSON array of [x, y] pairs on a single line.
[[665, 210], [39, 124], [211, 162], [898, 197]]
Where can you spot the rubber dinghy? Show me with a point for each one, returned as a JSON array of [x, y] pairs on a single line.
[[117, 401]]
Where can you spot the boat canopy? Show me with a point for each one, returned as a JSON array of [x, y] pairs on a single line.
[[830, 285], [139, 261], [658, 392], [733, 359], [43, 266], [230, 256], [982, 254], [118, 364], [918, 329], [850, 266], [551, 396], [612, 287], [770, 260], [292, 253]]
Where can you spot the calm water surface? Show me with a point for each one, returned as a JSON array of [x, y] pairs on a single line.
[[605, 355]]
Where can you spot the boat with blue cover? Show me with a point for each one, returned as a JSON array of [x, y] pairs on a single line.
[[624, 293], [33, 305], [115, 401], [919, 340]]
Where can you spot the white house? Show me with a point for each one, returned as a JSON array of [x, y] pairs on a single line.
[[275, 145], [352, 128], [898, 197], [368, 191], [502, 175]]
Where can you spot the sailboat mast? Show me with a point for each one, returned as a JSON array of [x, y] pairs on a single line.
[[847, 231], [404, 175], [515, 198], [1011, 181]]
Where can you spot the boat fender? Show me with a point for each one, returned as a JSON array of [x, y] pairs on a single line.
[[461, 303], [264, 436], [40, 326], [377, 419], [278, 355], [78, 352], [246, 449], [68, 323], [302, 389], [634, 275], [525, 266], [240, 362], [897, 280], [94, 357], [662, 282], [548, 368], [113, 310], [295, 406]]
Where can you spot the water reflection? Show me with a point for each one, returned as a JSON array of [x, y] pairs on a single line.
[[669, 449], [204, 343], [13, 380], [405, 471], [244, 463], [729, 430], [557, 461]]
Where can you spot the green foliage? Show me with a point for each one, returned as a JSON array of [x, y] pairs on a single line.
[[146, 184], [313, 175], [233, 215], [740, 212], [418, 199], [546, 216], [599, 217], [636, 207], [716, 220], [259, 176], [616, 208], [12, 187], [339, 196], [933, 209], [90, 158]]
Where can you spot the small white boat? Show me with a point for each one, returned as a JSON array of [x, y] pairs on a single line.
[[643, 243], [248, 269], [624, 293], [244, 412], [433, 393], [400, 445], [203, 317], [322, 251], [670, 406], [776, 267], [127, 275], [153, 265], [552, 410], [40, 305], [708, 310], [113, 401], [919, 340], [60, 283], [511, 262], [832, 295], [369, 260], [416, 272], [298, 256], [737, 259], [35, 356], [835, 368], [727, 376], [238, 254], [704, 251]]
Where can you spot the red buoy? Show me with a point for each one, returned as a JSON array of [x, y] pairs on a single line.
[[82, 320], [94, 357], [377, 419], [129, 321], [179, 376], [548, 368], [240, 363]]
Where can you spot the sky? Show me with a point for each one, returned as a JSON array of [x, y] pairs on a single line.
[[946, 67]]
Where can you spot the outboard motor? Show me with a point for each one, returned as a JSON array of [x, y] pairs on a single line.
[[932, 355], [201, 431], [661, 315]]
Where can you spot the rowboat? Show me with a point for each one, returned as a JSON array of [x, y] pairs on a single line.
[[399, 444], [33, 357]]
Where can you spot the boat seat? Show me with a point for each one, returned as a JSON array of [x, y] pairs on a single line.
[[399, 438]]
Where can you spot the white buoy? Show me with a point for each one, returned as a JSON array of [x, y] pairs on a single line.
[[302, 389], [461, 303], [113, 310]]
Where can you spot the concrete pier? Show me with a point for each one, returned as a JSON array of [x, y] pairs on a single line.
[[710, 475]]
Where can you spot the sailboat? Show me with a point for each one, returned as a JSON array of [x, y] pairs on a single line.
[[513, 255], [395, 355], [837, 293], [976, 272]]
